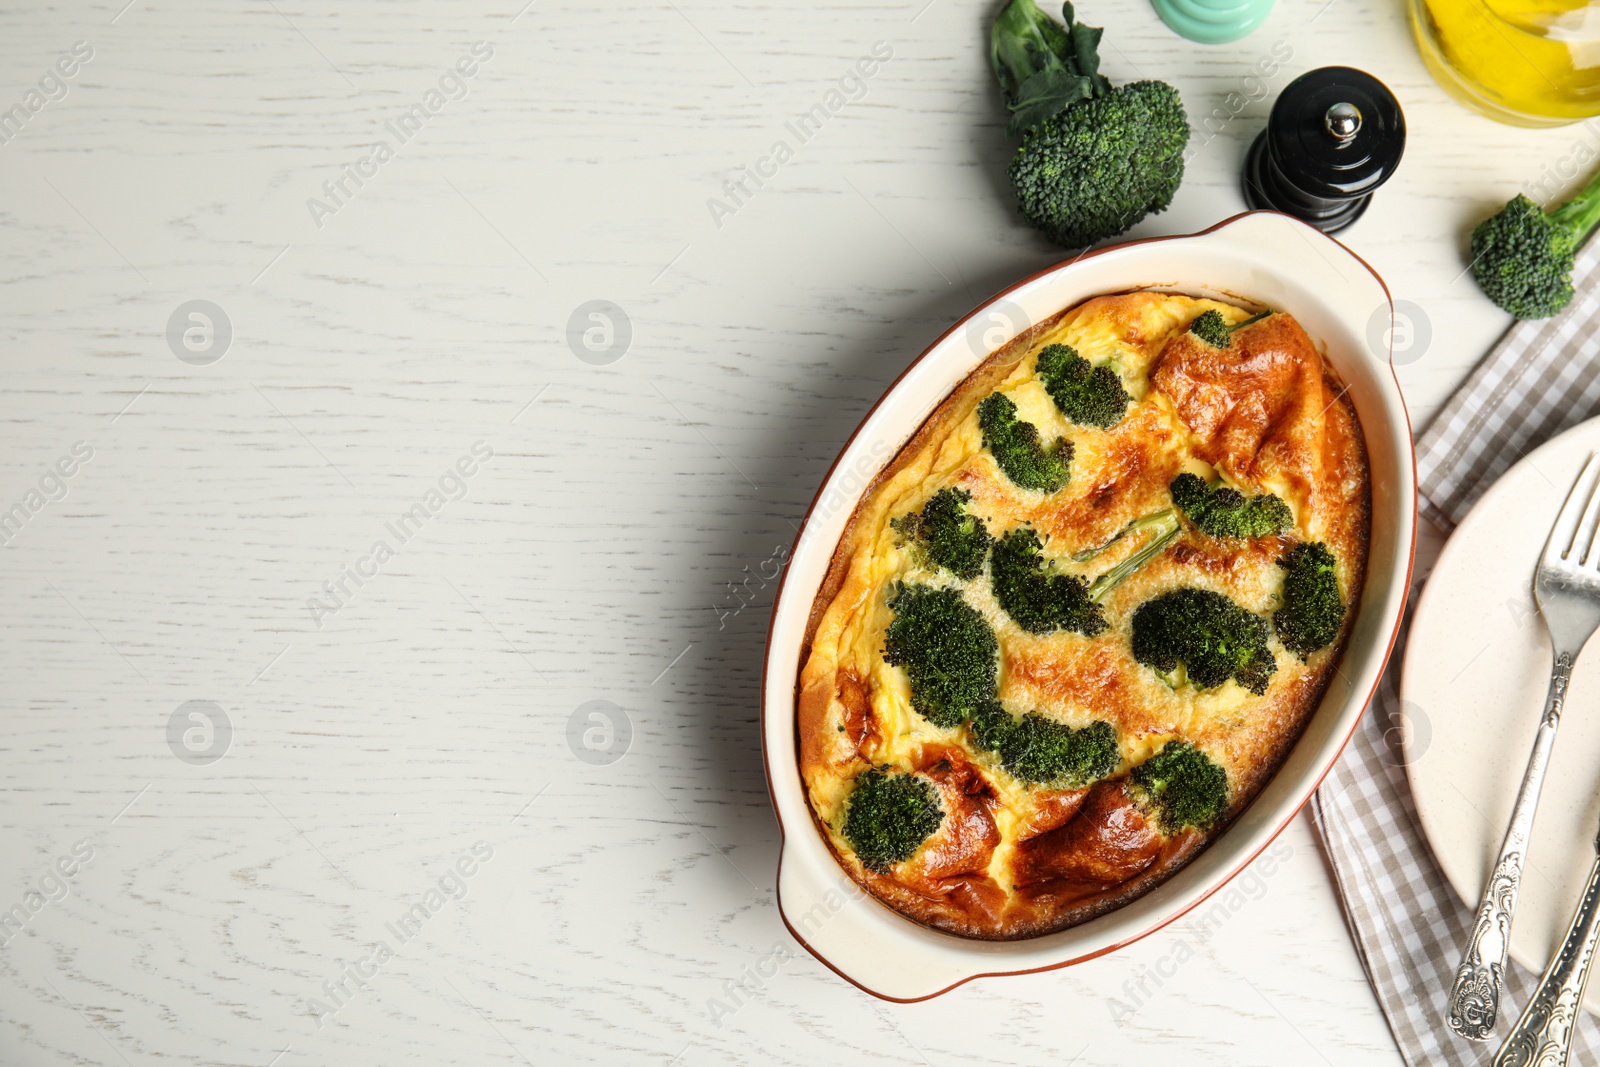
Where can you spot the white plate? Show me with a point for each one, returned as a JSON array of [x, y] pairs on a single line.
[[1476, 669], [1262, 256]]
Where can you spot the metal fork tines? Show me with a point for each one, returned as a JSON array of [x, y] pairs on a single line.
[[1566, 586]]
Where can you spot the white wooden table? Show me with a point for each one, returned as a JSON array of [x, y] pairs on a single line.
[[229, 907]]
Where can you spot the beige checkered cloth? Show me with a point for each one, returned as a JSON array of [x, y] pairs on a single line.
[[1408, 925], [1542, 378]]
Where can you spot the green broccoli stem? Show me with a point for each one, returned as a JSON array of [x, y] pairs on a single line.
[[1155, 518], [1163, 527], [1024, 42], [1257, 317], [1043, 66], [1580, 214]]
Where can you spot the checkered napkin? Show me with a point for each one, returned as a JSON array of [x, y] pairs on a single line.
[[1408, 925], [1542, 378]]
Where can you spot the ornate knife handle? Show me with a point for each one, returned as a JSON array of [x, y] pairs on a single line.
[[1475, 996], [1543, 1035]]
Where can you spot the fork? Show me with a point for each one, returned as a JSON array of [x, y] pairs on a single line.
[[1566, 586], [1543, 1035]]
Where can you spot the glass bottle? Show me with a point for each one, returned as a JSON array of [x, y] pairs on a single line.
[[1526, 62]]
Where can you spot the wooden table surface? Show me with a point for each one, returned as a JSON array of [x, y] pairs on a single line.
[[394, 523]]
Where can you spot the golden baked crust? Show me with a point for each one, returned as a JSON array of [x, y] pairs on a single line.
[[1011, 860]]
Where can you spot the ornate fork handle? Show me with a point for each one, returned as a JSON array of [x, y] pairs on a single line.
[[1543, 1035], [1475, 996]]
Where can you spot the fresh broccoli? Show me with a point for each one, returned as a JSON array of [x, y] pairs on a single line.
[[888, 817], [1042, 751], [1522, 256], [1093, 160], [1033, 594], [1214, 330], [1309, 617], [1043, 65], [1209, 636], [1223, 512], [1184, 785], [947, 650], [949, 536], [1088, 395], [1017, 449]]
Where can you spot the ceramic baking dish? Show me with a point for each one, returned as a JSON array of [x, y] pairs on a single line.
[[1258, 258]]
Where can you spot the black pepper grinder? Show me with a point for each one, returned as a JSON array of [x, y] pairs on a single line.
[[1335, 134]]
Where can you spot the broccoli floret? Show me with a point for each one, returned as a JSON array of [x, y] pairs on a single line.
[[1309, 617], [1017, 449], [889, 816], [1094, 160], [1041, 599], [1209, 636], [1223, 512], [1211, 328], [1086, 394], [1042, 751], [1099, 166], [1184, 785], [1030, 591], [947, 650], [1214, 330], [1522, 256], [947, 534], [991, 726]]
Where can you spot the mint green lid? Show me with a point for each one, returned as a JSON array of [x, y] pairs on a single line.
[[1212, 21]]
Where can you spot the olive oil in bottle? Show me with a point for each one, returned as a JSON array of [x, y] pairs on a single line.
[[1526, 62]]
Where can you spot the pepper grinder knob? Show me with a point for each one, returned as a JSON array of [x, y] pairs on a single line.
[[1335, 134], [1343, 120]]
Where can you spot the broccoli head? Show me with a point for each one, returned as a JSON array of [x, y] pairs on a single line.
[[946, 534], [1102, 164], [1088, 395], [1030, 591], [1223, 512], [1209, 636], [1018, 450], [1045, 752], [1214, 330], [1094, 160], [1309, 617], [947, 650], [1522, 256], [888, 817], [991, 725], [1184, 785], [1211, 328]]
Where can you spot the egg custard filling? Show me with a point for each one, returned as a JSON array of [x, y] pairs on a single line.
[[1080, 619]]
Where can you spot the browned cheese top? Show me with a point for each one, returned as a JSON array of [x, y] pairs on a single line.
[[1010, 859]]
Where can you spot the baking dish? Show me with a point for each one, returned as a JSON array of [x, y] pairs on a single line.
[[1258, 258]]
